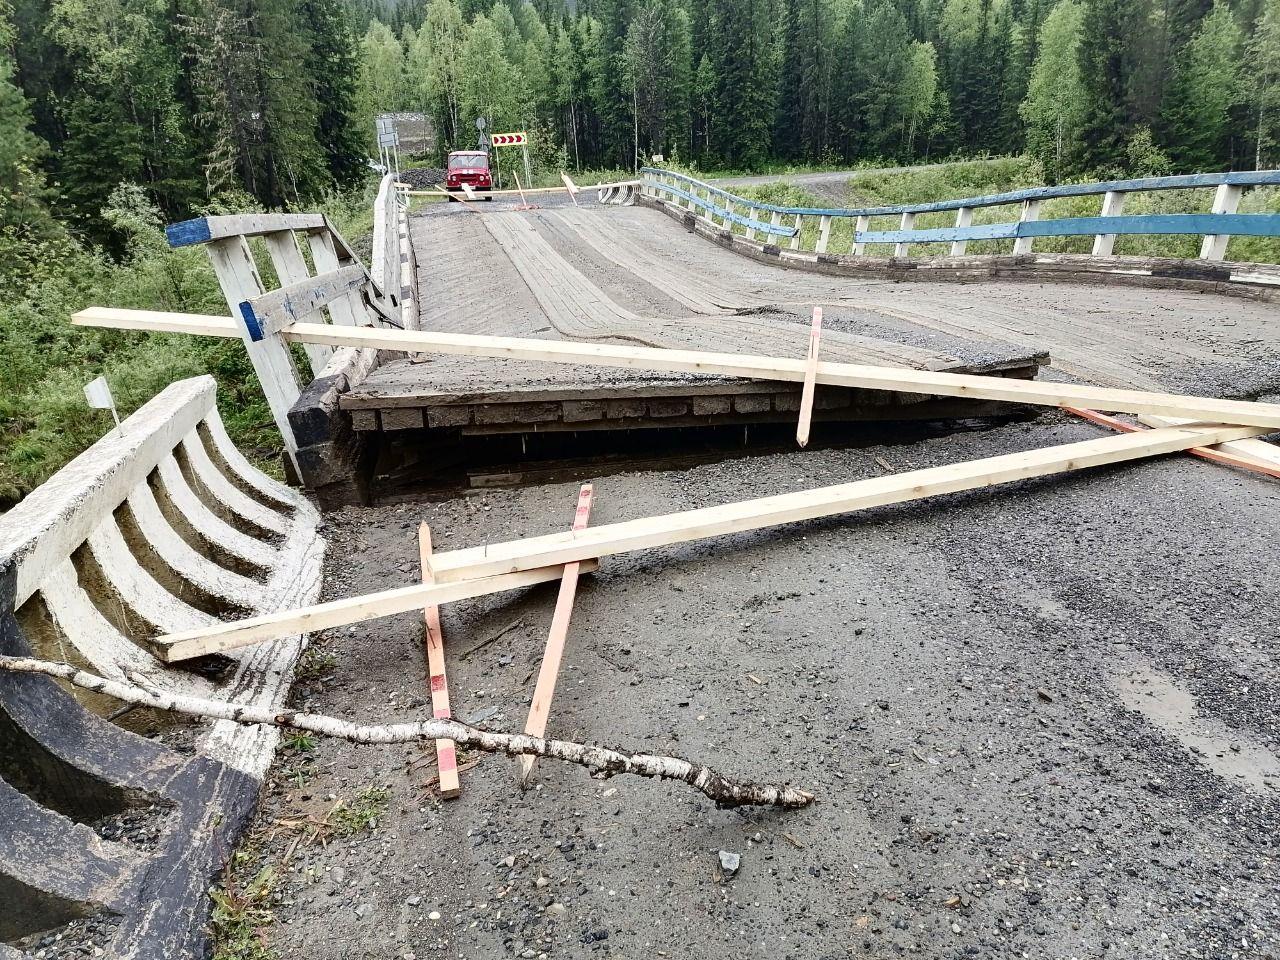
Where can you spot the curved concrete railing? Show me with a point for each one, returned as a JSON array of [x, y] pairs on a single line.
[[1216, 226], [160, 526]]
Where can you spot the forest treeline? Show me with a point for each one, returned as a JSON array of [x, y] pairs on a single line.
[[208, 104], [1085, 86]]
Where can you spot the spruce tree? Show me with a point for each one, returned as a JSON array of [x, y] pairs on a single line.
[[1106, 68], [332, 68], [1205, 87], [1262, 85], [23, 216]]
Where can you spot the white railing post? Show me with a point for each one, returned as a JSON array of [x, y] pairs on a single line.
[[908, 222], [1112, 206], [693, 192], [238, 277], [824, 234], [1030, 212], [860, 226], [1226, 200], [752, 214], [795, 237], [775, 220], [964, 220], [291, 268], [349, 311]]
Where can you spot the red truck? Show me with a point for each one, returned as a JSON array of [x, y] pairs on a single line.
[[470, 167]]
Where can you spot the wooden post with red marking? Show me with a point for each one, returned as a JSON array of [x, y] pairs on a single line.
[[1227, 457], [446, 752], [540, 709], [810, 379]]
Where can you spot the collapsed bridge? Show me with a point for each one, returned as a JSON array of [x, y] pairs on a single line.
[[522, 328]]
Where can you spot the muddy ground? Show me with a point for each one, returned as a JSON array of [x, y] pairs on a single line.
[[1040, 721]]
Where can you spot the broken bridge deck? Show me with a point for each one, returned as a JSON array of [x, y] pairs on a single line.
[[566, 273]]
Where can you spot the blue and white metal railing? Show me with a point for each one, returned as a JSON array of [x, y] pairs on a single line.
[[1216, 226]]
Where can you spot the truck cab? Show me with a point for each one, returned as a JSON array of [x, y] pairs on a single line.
[[470, 167]]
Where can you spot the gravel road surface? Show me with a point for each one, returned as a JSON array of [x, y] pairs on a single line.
[[1041, 720]]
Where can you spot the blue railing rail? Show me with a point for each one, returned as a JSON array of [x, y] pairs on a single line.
[[1216, 226]]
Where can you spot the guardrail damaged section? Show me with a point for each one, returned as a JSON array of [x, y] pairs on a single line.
[[111, 838]]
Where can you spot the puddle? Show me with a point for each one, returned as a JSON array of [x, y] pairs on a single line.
[[1226, 751]]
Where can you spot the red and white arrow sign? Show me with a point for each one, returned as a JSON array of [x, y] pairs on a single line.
[[509, 139]]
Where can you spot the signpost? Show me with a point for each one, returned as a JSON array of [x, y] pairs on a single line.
[[516, 139], [389, 143]]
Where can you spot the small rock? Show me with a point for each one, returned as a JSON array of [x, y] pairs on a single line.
[[480, 716], [364, 910], [557, 909], [433, 915], [338, 874], [541, 882], [413, 901], [955, 928], [1044, 695], [729, 863]]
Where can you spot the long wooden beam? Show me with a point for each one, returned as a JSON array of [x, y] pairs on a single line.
[[897, 379], [1262, 452], [1227, 454], [337, 613], [559, 548], [488, 569]]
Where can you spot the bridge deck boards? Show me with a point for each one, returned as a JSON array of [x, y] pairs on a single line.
[[553, 273]]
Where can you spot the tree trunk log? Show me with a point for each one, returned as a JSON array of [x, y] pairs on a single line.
[[601, 761]]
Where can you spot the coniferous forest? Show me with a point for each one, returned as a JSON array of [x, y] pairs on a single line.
[[117, 116], [196, 101]]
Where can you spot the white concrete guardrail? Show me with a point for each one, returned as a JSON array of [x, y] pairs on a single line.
[[158, 526]]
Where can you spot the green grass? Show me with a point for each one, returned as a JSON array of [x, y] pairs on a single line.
[[45, 361], [242, 914], [968, 179], [360, 812]]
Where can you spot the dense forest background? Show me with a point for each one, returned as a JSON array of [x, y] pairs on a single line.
[[117, 116], [200, 102]]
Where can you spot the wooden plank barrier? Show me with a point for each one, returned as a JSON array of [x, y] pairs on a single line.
[[136, 537], [341, 290], [492, 568], [861, 376]]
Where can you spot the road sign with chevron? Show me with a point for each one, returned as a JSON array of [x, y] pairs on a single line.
[[510, 139]]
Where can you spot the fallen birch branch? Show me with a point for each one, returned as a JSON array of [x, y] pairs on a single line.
[[601, 761]]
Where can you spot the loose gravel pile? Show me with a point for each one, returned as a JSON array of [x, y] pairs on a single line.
[[423, 178]]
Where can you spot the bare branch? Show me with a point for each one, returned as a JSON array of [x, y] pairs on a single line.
[[601, 761]]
